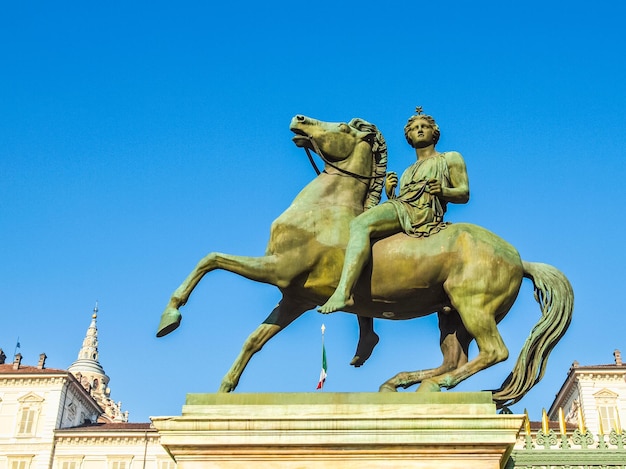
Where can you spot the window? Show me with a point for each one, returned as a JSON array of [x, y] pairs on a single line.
[[69, 462], [119, 462], [19, 462], [606, 402], [27, 419], [168, 464], [30, 407], [71, 413], [608, 416]]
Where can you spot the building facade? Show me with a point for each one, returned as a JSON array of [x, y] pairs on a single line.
[[595, 393], [66, 419], [582, 428]]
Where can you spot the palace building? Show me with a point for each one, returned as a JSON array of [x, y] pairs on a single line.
[[66, 419], [596, 394]]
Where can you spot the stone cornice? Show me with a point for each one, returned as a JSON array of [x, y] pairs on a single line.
[[583, 375], [82, 395], [29, 380], [108, 438], [610, 375]]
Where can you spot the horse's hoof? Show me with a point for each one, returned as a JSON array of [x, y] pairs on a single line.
[[356, 361], [364, 349], [170, 320], [387, 388], [428, 385]]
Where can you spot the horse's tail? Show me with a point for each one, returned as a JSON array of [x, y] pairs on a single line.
[[555, 296]]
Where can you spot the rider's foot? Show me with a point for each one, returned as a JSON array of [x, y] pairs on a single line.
[[336, 302], [170, 320], [364, 348]]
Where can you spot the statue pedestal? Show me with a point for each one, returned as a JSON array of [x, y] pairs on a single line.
[[343, 430]]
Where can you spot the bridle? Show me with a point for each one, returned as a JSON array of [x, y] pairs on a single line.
[[317, 150]]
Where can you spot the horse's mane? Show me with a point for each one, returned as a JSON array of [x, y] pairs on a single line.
[[379, 153]]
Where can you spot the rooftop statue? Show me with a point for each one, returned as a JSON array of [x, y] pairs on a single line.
[[335, 246]]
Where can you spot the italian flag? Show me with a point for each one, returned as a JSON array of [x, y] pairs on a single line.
[[320, 384]]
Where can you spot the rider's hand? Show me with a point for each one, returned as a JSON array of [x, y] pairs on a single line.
[[391, 181], [433, 186]]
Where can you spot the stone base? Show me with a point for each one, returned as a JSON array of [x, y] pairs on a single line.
[[346, 430]]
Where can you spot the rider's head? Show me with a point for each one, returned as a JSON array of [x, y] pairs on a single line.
[[429, 119]]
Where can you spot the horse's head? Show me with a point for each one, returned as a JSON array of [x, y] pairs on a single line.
[[336, 142]]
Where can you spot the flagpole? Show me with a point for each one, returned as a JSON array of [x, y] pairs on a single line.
[[320, 384], [323, 358], [17, 345]]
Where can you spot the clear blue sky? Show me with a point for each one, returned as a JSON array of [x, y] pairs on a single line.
[[136, 138]]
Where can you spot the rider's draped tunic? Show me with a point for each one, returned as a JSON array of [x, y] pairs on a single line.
[[419, 212]]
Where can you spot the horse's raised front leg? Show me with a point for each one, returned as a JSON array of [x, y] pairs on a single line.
[[260, 269], [281, 317], [454, 342]]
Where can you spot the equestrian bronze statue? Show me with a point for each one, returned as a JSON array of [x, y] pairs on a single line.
[[465, 274]]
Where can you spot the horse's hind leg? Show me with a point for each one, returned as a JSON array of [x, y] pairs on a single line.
[[480, 323], [454, 342], [252, 345], [281, 317], [367, 341], [261, 269]]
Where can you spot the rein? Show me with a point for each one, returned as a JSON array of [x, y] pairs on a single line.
[[317, 150]]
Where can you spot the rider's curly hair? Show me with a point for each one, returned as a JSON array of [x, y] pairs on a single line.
[[429, 119]]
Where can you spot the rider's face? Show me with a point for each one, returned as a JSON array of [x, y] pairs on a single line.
[[421, 133]]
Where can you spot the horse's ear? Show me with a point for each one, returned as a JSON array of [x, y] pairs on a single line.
[[368, 136], [366, 131]]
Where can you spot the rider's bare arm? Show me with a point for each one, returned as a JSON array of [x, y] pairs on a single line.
[[458, 192]]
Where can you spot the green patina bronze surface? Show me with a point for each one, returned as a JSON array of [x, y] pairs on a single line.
[[464, 273]]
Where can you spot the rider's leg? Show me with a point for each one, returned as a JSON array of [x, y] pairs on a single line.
[[377, 222]]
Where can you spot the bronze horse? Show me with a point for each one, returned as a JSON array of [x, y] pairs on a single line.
[[465, 274]]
